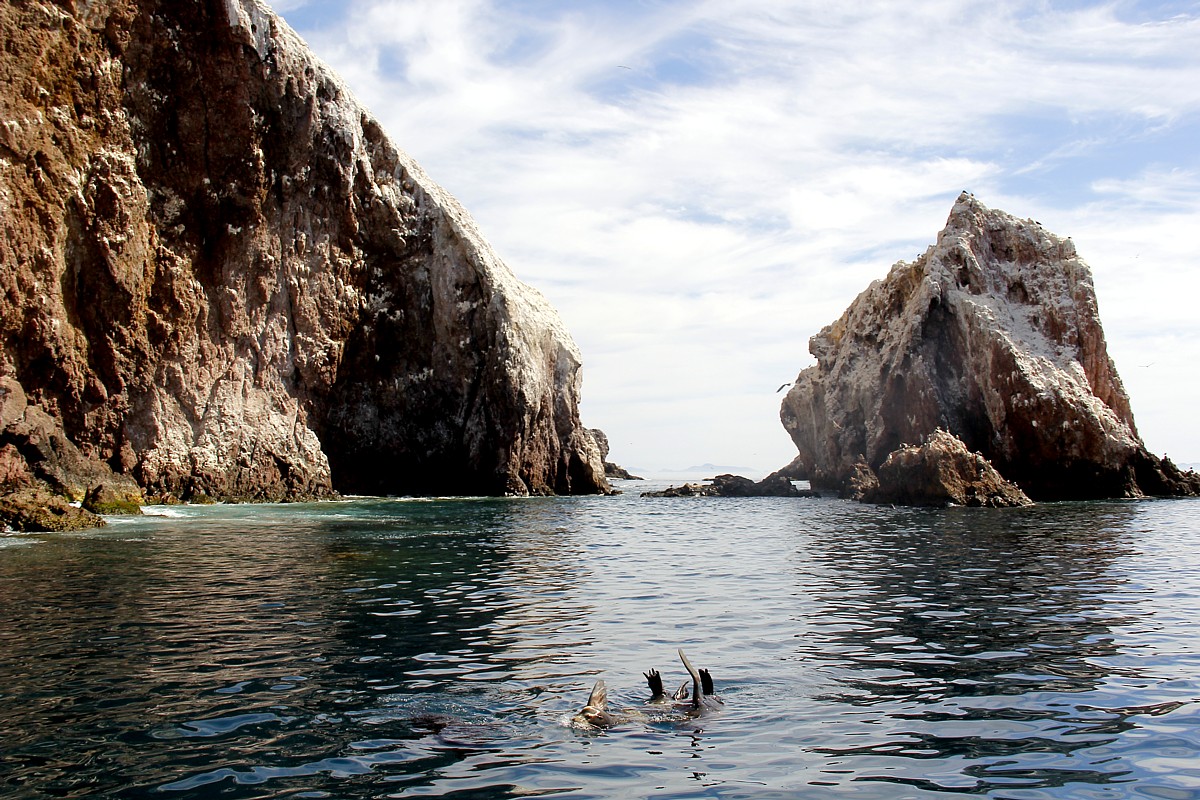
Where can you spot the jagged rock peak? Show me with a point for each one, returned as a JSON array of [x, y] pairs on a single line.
[[994, 335], [220, 276]]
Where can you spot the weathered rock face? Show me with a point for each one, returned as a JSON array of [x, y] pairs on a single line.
[[994, 335], [41, 470], [941, 472], [219, 276]]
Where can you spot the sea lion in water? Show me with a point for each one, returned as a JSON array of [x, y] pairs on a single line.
[[701, 698], [595, 712], [704, 696], [658, 695]]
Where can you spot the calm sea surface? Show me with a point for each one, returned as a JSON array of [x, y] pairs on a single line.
[[438, 648]]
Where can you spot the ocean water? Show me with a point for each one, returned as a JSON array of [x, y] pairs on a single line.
[[407, 648]]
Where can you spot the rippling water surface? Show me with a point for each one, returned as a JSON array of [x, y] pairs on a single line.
[[438, 648]]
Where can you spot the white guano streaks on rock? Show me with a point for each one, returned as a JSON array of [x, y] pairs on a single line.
[[245, 289], [992, 334]]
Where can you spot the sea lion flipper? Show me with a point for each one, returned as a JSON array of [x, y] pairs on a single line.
[[697, 685], [595, 713], [706, 682], [654, 681], [598, 699]]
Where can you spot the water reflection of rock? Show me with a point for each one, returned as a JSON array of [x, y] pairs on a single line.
[[941, 604]]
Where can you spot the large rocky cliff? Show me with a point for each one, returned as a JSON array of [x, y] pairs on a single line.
[[993, 334], [220, 277]]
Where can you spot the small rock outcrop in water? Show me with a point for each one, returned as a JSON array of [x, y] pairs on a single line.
[[734, 486], [218, 275], [611, 470], [993, 335], [39, 510], [940, 472]]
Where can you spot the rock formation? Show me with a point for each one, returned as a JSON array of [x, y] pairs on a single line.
[[794, 470], [219, 276], [941, 472], [42, 472], [735, 486], [36, 509], [993, 334], [611, 470]]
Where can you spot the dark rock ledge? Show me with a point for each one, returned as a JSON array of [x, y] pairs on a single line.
[[735, 486]]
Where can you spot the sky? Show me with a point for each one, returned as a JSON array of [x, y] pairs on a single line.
[[699, 186]]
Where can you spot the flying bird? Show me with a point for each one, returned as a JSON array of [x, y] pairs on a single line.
[[781, 388]]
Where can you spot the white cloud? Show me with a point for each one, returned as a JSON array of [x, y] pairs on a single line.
[[701, 186]]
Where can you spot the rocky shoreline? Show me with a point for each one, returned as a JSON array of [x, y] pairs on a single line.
[[611, 470], [46, 482]]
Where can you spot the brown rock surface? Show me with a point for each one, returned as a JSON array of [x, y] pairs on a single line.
[[994, 335], [794, 470], [941, 472], [39, 510], [38, 462], [219, 276]]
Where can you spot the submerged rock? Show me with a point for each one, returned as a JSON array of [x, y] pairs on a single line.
[[940, 472], [994, 335], [220, 277]]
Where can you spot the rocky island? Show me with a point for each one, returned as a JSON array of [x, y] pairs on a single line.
[[220, 278], [992, 337]]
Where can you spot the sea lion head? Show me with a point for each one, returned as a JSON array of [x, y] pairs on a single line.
[[595, 713], [593, 717]]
